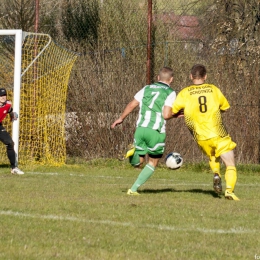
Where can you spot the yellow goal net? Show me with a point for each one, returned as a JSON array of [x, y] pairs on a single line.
[[45, 72]]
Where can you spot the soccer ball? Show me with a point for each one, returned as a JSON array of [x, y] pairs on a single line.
[[173, 160]]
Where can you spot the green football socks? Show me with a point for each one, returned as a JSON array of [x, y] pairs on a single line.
[[144, 175], [134, 159]]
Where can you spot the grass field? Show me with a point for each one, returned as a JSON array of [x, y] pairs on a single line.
[[82, 212]]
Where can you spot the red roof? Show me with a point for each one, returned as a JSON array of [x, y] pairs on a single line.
[[185, 27]]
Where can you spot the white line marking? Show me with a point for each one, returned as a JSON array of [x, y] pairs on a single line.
[[239, 230], [44, 173]]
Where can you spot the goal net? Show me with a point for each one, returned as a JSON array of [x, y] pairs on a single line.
[[40, 96]]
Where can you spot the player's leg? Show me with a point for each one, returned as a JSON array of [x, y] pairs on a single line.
[[136, 160], [230, 175], [156, 144], [225, 149], [215, 167], [208, 147], [144, 175], [7, 140], [137, 157], [128, 152], [135, 151]]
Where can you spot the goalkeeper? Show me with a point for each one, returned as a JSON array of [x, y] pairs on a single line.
[[202, 104], [149, 137], [6, 108]]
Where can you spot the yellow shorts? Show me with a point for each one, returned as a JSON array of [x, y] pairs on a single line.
[[217, 145]]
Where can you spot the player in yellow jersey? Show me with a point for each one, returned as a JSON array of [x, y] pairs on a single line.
[[202, 105]]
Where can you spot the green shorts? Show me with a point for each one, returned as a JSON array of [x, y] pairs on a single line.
[[217, 146], [149, 141]]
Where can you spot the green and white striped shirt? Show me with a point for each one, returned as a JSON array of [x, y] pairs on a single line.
[[152, 98]]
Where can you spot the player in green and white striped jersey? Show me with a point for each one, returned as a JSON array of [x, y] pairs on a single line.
[[149, 137]]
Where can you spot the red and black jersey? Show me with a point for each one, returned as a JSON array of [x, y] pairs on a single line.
[[5, 109]]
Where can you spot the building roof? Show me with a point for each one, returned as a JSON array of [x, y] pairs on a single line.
[[184, 27]]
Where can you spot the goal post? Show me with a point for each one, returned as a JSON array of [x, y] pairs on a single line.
[[16, 82], [35, 71]]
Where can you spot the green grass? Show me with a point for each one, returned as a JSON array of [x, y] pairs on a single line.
[[82, 212]]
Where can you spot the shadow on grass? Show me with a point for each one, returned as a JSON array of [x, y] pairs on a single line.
[[4, 165], [207, 192]]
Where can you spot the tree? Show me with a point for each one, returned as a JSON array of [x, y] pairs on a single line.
[[234, 27], [48, 19], [17, 14], [80, 20]]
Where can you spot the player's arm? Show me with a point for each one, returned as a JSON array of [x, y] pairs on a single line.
[[128, 109], [179, 105], [180, 113], [167, 109], [167, 112], [177, 108], [13, 115]]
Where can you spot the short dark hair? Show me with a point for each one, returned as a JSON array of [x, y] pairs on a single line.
[[165, 73], [198, 71]]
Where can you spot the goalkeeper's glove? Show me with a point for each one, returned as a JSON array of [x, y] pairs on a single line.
[[13, 116]]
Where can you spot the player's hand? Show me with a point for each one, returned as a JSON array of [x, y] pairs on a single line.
[[13, 116], [179, 114], [117, 122]]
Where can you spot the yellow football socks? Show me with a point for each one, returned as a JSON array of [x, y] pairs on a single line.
[[214, 165], [231, 178]]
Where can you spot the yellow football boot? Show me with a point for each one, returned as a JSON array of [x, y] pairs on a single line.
[[130, 150], [130, 192], [230, 195]]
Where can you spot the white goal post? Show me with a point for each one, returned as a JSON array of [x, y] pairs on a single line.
[[17, 82], [35, 71]]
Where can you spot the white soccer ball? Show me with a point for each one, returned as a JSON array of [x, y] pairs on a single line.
[[173, 160]]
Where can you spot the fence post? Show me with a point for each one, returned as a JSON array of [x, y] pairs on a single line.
[[149, 44]]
